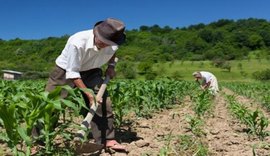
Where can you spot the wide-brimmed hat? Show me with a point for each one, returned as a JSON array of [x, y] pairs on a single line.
[[110, 31]]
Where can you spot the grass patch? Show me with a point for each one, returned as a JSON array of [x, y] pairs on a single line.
[[241, 70]]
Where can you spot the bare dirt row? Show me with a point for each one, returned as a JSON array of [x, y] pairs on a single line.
[[224, 135]]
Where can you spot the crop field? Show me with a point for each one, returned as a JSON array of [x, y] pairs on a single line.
[[154, 117]]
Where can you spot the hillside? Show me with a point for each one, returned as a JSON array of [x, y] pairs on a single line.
[[220, 40]]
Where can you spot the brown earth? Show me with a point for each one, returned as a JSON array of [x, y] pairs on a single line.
[[223, 135]]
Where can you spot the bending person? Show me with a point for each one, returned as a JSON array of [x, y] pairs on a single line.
[[208, 81], [79, 65]]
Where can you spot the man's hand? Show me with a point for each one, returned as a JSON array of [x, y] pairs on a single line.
[[79, 83], [202, 87], [90, 98], [205, 86]]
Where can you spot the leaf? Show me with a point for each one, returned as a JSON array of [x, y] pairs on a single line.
[[69, 89], [69, 104], [25, 137], [55, 93], [7, 116], [4, 137], [57, 104]]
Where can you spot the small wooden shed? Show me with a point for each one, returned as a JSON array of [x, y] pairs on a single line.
[[11, 75]]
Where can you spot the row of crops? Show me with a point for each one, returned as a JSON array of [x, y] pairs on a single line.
[[25, 104], [259, 91], [255, 120], [193, 143]]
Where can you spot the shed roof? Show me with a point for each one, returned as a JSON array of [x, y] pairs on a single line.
[[12, 72]]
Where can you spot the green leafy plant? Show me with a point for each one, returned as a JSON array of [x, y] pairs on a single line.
[[202, 102], [23, 106], [195, 125], [254, 120]]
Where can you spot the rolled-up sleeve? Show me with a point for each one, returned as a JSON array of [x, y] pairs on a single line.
[[73, 63]]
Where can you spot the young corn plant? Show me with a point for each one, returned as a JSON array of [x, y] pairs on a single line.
[[120, 98], [195, 125], [15, 132], [190, 145], [166, 150], [202, 103], [238, 110], [22, 107], [255, 121], [7, 114]]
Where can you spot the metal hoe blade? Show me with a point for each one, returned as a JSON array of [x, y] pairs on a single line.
[[88, 147]]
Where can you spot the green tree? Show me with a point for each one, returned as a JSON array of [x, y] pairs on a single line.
[[255, 42], [145, 67], [127, 69], [196, 45]]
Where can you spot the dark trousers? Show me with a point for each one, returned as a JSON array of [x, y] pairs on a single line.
[[102, 122]]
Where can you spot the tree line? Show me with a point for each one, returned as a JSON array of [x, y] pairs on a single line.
[[224, 39]]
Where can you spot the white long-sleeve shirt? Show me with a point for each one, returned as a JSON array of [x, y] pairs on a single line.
[[80, 54], [209, 77]]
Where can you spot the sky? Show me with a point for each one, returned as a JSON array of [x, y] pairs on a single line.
[[38, 19]]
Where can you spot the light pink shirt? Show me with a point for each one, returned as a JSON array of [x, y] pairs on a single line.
[[80, 54]]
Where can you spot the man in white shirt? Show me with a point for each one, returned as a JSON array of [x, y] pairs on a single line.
[[209, 81], [79, 65]]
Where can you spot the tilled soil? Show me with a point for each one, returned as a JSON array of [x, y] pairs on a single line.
[[223, 135], [226, 135]]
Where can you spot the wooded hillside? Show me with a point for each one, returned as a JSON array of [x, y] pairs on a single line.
[[223, 39]]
